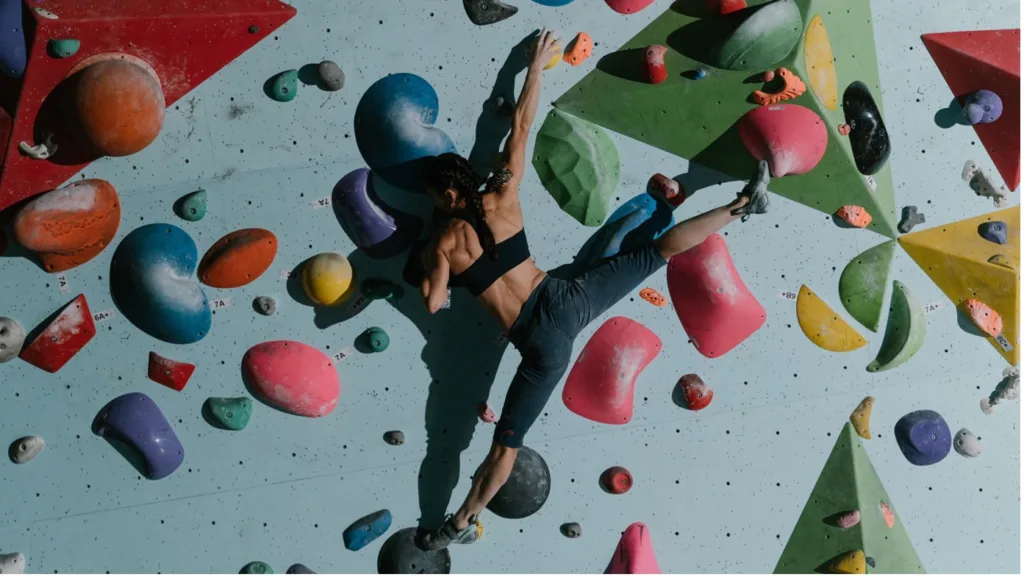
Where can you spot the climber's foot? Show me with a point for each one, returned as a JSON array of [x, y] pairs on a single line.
[[447, 534]]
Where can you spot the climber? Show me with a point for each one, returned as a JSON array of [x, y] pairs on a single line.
[[481, 244]]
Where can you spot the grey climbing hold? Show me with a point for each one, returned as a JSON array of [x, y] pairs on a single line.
[[394, 437], [966, 444], [331, 76], [503, 106], [257, 568], [12, 563], [266, 306], [63, 47], [192, 206], [911, 218], [571, 530], [12, 338], [757, 191], [979, 182], [994, 231], [484, 12], [285, 86], [1007, 389], [25, 449], [300, 569], [870, 561]]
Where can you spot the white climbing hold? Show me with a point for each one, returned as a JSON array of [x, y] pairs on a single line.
[[41, 151], [966, 444], [26, 448], [12, 563], [982, 186], [45, 13], [12, 338], [1007, 389]]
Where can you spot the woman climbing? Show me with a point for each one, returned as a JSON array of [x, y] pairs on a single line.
[[481, 245]]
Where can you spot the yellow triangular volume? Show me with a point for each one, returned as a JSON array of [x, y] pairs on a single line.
[[823, 326], [963, 264]]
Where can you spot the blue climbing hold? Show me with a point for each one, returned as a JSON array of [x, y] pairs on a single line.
[[395, 132], [365, 530], [553, 2], [151, 278], [994, 231], [638, 221], [13, 53], [924, 437], [136, 420], [372, 225]]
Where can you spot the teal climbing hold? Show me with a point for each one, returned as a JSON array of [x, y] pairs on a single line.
[[285, 86], [63, 47], [257, 568], [192, 206], [231, 412], [381, 288], [376, 339]]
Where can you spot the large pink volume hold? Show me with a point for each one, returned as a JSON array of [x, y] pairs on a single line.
[[715, 308], [628, 6], [635, 553], [790, 137], [293, 377], [600, 384]]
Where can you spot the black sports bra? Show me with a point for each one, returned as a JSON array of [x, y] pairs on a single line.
[[480, 275]]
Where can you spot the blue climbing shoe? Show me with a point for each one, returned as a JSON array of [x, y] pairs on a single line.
[[447, 534]]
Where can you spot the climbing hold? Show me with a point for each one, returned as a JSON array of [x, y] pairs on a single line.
[[13, 50], [238, 258], [862, 284], [699, 73], [1008, 388], [667, 189], [854, 215], [849, 563], [982, 107], [634, 554], [151, 282], [654, 297], [266, 306], [984, 318], [12, 563], [655, 58], [911, 218], [848, 519], [136, 420], [993, 231], [716, 309], [300, 569], [12, 339], [63, 47], [579, 49], [823, 326], [254, 29], [485, 413], [966, 444], [860, 418], [868, 137], [381, 288], [26, 448], [571, 530], [870, 561], [293, 377], [628, 6], [484, 12], [331, 76], [394, 437], [171, 374], [616, 480], [328, 279], [792, 87], [380, 230], [284, 86], [762, 39], [600, 384], [790, 137], [69, 226], [636, 223], [819, 63], [401, 553], [979, 182], [696, 393], [923, 437], [503, 106], [395, 132], [527, 487], [904, 333], [1003, 261], [257, 568], [63, 337], [41, 151], [192, 206], [768, 76], [554, 58], [844, 129], [578, 164], [230, 412], [376, 339], [723, 7], [365, 530], [117, 103]]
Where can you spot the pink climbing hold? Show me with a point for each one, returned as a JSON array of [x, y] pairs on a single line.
[[844, 129], [485, 413], [715, 308], [635, 553], [171, 374], [790, 137], [293, 377], [768, 75], [726, 6], [628, 6], [697, 394], [656, 71], [848, 519], [600, 384]]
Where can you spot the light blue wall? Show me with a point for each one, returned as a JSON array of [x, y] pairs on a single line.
[[720, 491]]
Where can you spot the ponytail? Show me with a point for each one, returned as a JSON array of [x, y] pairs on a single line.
[[450, 170]]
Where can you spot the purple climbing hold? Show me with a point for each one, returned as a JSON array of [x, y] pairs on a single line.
[[372, 225], [982, 107], [924, 437], [13, 54], [993, 231], [136, 420]]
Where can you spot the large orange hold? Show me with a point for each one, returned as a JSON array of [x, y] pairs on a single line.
[[238, 259], [117, 103], [69, 226]]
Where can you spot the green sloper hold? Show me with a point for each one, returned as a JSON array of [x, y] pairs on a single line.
[[862, 284], [231, 412], [697, 119], [762, 39], [192, 206], [257, 568], [848, 481], [904, 333], [285, 86], [578, 164]]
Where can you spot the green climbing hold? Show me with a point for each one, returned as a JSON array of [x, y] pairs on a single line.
[[578, 164], [192, 206], [763, 39], [862, 284], [63, 47], [381, 288], [231, 412], [905, 332], [285, 86], [376, 339], [257, 568]]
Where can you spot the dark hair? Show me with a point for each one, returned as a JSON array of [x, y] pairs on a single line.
[[451, 171]]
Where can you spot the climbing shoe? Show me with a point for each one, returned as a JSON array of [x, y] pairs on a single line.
[[757, 191], [447, 534]]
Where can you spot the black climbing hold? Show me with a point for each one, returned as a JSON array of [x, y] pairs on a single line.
[[401, 554], [254, 29], [266, 306], [381, 288], [868, 137], [332, 79], [911, 218], [994, 231], [394, 437], [527, 487], [484, 12], [300, 569], [571, 530]]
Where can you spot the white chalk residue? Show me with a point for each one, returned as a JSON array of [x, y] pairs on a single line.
[[410, 122], [77, 197], [69, 323], [767, 20], [784, 161], [181, 290], [626, 362], [720, 281]]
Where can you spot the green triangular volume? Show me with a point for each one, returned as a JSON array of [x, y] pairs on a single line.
[[863, 282]]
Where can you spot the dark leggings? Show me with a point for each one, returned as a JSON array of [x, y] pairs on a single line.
[[555, 313]]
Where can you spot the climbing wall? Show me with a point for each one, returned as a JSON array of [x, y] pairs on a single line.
[[265, 427]]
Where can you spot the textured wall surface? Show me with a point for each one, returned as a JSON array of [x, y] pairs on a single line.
[[720, 490]]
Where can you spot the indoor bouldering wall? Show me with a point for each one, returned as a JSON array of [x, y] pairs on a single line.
[[213, 362]]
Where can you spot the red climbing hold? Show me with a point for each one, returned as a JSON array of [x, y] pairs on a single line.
[[600, 384], [790, 137], [628, 6], [656, 71], [616, 480], [725, 6], [485, 413], [63, 338], [667, 189], [635, 554], [697, 394], [171, 374]]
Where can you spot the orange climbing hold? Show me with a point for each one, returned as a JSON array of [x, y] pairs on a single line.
[[725, 6], [854, 215], [987, 320], [791, 88], [654, 297], [238, 258], [887, 514], [579, 49]]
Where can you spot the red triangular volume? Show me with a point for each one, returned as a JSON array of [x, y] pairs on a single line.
[[183, 42], [171, 374], [63, 338], [990, 60]]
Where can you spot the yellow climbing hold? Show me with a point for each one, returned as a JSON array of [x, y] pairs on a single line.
[[328, 279], [849, 563], [554, 59], [823, 326], [820, 65], [861, 417], [1003, 261]]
